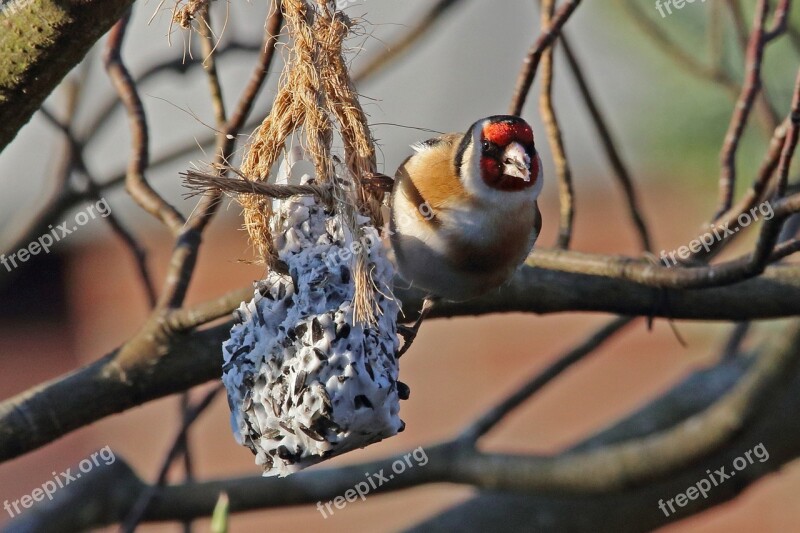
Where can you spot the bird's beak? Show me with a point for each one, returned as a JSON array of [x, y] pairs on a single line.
[[516, 162]]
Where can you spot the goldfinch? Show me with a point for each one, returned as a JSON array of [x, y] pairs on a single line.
[[464, 214]]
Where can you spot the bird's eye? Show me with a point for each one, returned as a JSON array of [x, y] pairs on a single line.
[[490, 149]]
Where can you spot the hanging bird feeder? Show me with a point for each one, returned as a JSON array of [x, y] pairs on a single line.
[[311, 366]]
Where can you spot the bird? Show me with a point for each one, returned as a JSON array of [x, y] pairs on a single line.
[[463, 210]]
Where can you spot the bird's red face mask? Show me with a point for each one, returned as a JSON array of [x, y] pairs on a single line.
[[508, 155]]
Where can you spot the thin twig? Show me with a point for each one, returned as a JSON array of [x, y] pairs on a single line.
[[733, 346], [715, 73], [744, 267], [487, 421], [411, 37], [185, 450], [93, 192], [790, 144], [716, 36], [770, 233], [177, 65], [188, 318], [131, 242], [780, 21], [669, 47], [534, 56], [207, 207], [766, 112], [267, 51], [209, 50], [68, 199], [785, 249], [758, 191], [750, 89], [184, 256], [209, 47], [140, 507], [136, 183], [609, 146], [566, 194]]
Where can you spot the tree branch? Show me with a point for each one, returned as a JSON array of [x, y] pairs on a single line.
[[635, 509], [660, 450], [39, 45], [160, 361], [108, 386]]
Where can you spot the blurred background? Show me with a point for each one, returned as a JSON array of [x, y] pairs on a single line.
[[67, 308]]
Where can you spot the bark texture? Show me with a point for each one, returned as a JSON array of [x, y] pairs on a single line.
[[40, 42]]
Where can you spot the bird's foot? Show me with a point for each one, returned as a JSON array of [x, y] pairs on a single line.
[[409, 333]]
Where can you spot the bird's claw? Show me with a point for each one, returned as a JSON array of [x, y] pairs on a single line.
[[409, 333]]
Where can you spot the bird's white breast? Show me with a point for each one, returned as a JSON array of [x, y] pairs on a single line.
[[470, 248]]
